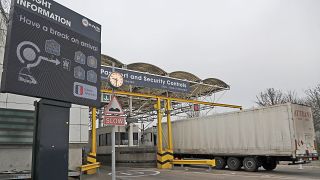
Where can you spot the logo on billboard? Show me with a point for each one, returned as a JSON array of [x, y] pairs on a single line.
[[85, 91], [28, 53], [79, 90], [86, 23]]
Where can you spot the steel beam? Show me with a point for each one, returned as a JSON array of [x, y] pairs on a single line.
[[155, 97], [208, 162]]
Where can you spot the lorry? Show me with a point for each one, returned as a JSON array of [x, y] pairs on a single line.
[[248, 138]]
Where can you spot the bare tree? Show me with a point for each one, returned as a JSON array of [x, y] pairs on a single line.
[[313, 100], [291, 96], [270, 97]]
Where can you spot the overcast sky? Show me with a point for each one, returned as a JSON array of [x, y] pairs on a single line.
[[249, 44]]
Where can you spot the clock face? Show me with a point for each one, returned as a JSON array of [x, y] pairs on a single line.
[[116, 79]]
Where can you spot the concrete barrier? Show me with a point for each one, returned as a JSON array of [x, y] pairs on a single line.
[[131, 156]]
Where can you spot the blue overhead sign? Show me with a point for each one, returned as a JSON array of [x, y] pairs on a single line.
[[140, 79]]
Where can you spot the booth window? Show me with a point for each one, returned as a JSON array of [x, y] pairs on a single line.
[[135, 139]]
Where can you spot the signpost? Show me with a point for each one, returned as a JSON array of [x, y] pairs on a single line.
[[52, 53], [112, 109]]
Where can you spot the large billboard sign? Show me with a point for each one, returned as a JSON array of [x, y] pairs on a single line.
[[52, 52], [140, 79]]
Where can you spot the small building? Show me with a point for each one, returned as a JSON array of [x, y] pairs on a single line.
[[128, 153]]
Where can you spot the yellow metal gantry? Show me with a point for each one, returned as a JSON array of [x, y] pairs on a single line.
[[92, 164], [170, 98], [165, 156]]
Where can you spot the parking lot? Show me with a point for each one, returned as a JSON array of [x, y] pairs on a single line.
[[202, 173]]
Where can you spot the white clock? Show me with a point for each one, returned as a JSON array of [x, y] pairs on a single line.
[[115, 79]]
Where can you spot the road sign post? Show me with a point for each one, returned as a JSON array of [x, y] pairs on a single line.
[[113, 152], [50, 149], [112, 117]]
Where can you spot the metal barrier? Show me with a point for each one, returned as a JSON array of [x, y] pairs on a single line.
[[209, 162]]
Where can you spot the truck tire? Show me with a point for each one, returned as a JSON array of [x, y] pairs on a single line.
[[269, 165], [234, 163], [220, 162], [250, 164]]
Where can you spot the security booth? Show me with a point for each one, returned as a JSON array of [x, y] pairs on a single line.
[[135, 155]]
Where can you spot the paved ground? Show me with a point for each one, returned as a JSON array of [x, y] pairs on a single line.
[[283, 172]]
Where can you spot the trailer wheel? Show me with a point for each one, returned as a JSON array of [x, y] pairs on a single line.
[[270, 165], [250, 164], [234, 163], [220, 162]]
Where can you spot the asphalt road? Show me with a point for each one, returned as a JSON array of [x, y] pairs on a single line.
[[283, 172]]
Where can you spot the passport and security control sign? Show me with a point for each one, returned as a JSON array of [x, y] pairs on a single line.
[[52, 52]]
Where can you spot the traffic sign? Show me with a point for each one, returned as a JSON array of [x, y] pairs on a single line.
[[52, 52], [114, 120], [113, 107], [105, 98]]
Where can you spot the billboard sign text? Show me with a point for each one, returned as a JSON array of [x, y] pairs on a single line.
[[52, 52]]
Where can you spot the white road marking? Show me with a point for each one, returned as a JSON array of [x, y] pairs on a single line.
[[127, 174], [247, 176], [136, 173]]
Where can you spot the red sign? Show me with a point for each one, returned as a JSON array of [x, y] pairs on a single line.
[[114, 120], [113, 107]]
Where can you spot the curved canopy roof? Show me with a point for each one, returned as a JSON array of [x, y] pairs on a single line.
[[185, 76], [145, 67], [198, 87], [109, 61], [144, 108], [214, 81]]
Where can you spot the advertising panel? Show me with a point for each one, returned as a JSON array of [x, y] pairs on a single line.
[[52, 52]]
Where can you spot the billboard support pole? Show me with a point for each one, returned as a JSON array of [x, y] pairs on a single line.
[[51, 149]]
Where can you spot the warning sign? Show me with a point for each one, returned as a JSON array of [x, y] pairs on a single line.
[[114, 120], [113, 107]]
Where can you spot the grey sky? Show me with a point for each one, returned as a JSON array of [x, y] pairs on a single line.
[[249, 44]]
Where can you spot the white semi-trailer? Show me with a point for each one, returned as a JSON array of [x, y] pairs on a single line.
[[249, 138]]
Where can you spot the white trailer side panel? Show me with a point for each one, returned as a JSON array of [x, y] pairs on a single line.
[[305, 134], [263, 131]]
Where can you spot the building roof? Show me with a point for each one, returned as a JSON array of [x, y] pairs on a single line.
[[198, 87]]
